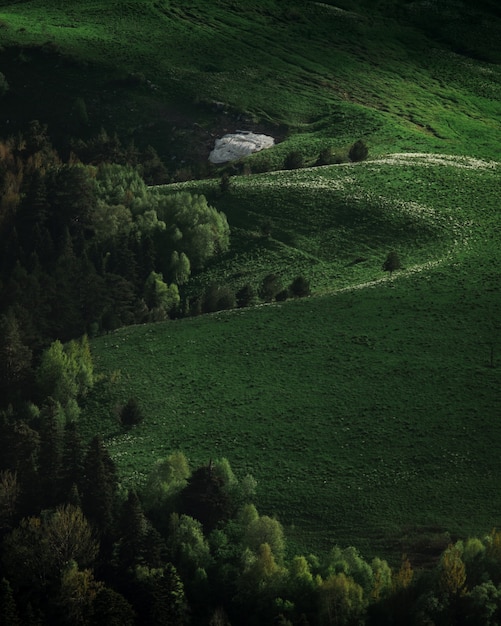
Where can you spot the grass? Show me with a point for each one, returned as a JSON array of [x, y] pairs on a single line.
[[327, 76], [369, 414], [360, 414], [325, 218]]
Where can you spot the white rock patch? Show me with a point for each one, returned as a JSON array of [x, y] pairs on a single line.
[[237, 145]]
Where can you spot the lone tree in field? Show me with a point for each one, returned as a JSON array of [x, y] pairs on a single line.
[[358, 151], [392, 263], [131, 413]]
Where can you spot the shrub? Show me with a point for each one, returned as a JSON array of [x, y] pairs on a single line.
[[270, 286], [325, 157], [358, 151], [218, 298], [392, 263], [300, 287], [294, 160], [265, 227], [282, 295], [131, 413], [246, 296], [225, 183]]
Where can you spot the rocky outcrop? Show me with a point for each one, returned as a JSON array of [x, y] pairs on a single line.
[[237, 145]]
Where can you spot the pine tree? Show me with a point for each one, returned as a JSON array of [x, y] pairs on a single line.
[[162, 601], [72, 466], [358, 151], [9, 496], [205, 499], [131, 413], [15, 358], [392, 263], [270, 286], [99, 486], [51, 447], [9, 615], [133, 530], [300, 287]]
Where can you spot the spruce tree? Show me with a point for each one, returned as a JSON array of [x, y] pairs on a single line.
[[131, 413], [358, 151], [15, 358], [51, 447], [133, 530], [9, 615], [99, 486], [72, 465], [392, 263]]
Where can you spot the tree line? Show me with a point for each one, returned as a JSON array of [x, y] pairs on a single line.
[[87, 248]]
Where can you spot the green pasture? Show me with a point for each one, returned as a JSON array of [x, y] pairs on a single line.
[[368, 417], [336, 224], [368, 413], [329, 76]]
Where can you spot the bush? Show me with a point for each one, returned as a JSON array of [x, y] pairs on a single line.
[[131, 413], [246, 296], [300, 287], [265, 227], [294, 160], [325, 157], [270, 286], [358, 151], [282, 295], [392, 263], [225, 183], [219, 298]]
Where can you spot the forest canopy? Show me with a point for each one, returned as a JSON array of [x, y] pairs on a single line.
[[89, 248]]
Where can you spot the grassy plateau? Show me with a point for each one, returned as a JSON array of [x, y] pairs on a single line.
[[369, 413]]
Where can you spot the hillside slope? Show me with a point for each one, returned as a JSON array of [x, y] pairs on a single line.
[[369, 415], [404, 77]]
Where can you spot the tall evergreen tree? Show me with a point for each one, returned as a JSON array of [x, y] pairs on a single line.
[[72, 466], [33, 211], [205, 498], [162, 600], [72, 196], [133, 530], [9, 615], [392, 263], [99, 486], [15, 358], [51, 447]]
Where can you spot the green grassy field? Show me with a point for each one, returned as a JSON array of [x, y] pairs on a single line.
[[325, 75], [369, 413], [325, 218]]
